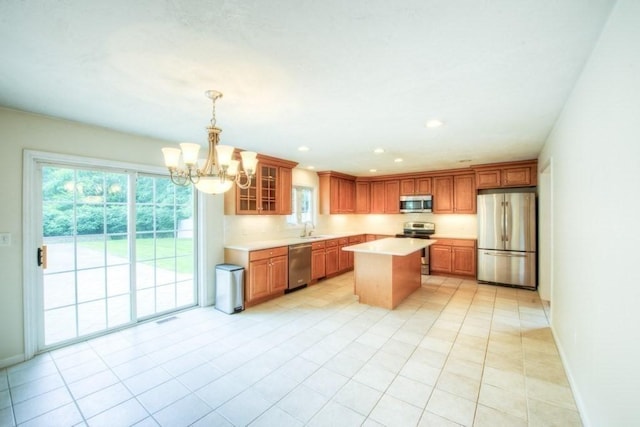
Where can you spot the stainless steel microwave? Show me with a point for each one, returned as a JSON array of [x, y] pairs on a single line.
[[419, 203]]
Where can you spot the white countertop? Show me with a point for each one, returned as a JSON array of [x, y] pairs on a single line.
[[266, 244], [391, 246]]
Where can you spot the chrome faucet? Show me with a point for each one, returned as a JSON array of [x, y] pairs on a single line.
[[304, 232]]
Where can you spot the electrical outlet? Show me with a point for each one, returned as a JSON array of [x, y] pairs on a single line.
[[5, 239]]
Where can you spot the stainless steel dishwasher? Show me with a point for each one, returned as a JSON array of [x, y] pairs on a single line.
[[299, 265]]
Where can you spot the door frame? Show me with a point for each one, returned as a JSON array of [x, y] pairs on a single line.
[[32, 195]]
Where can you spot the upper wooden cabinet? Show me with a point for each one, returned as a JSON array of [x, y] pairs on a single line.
[[464, 194], [269, 193], [392, 197], [385, 197], [454, 194], [443, 194], [412, 186], [516, 174], [363, 197], [377, 197], [454, 191], [337, 193]]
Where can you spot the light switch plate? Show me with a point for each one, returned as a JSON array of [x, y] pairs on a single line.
[[5, 239]]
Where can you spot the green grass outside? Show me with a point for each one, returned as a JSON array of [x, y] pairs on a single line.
[[145, 252]]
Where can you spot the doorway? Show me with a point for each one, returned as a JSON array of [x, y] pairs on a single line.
[[545, 237]]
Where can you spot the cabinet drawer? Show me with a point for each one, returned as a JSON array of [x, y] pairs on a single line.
[[331, 243], [343, 241], [317, 245], [465, 243], [268, 253], [356, 239]]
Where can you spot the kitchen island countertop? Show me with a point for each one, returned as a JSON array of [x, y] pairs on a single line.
[[391, 246]]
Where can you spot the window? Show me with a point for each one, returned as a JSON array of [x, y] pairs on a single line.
[[301, 206]]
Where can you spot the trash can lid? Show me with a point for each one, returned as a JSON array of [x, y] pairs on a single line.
[[229, 267]]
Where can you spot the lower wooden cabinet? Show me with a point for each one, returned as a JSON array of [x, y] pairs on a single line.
[[353, 240], [331, 257], [266, 272], [453, 256], [343, 256], [318, 260]]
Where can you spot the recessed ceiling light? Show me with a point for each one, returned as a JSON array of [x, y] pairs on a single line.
[[378, 150], [311, 167], [373, 170], [398, 160], [303, 148], [434, 123]]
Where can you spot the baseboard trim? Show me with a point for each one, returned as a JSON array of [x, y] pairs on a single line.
[[576, 394], [10, 361]]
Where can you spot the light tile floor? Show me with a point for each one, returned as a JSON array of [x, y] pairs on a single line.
[[453, 353]]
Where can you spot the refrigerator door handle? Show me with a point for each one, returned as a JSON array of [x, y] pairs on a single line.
[[503, 232], [506, 255], [507, 221]]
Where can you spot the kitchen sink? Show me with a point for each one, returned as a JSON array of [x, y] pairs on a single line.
[[315, 237]]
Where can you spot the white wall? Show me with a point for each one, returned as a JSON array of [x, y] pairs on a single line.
[[595, 149], [19, 131]]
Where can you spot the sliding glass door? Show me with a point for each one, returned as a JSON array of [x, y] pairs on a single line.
[[164, 246], [117, 247]]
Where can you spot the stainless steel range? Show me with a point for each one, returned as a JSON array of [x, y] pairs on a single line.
[[419, 230]]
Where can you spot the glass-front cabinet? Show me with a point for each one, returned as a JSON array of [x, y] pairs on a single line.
[[269, 193]]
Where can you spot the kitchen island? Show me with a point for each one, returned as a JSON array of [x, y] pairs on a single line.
[[386, 271]]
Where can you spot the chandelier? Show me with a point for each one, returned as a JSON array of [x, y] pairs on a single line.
[[219, 171]]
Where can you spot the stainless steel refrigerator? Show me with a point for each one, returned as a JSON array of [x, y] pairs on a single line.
[[507, 239]]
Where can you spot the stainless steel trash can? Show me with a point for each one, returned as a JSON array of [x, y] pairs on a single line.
[[229, 288]]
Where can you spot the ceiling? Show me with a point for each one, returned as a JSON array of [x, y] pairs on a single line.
[[339, 77]]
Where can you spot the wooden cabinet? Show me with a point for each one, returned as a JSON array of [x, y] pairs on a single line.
[[337, 193], [454, 194], [261, 196], [385, 197], [463, 260], [454, 191], [440, 258], [266, 272], [377, 197], [515, 174], [413, 186], [392, 197], [453, 256], [464, 194], [318, 260], [443, 194], [269, 192], [343, 256], [363, 197], [331, 257], [353, 240], [284, 191]]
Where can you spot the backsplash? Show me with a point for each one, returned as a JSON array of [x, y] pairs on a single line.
[[250, 228]]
